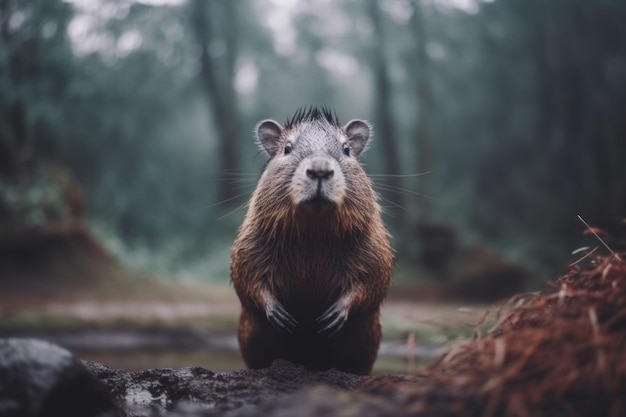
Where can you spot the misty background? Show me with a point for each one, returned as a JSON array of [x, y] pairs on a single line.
[[496, 122]]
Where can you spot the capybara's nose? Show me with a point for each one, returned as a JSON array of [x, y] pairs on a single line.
[[321, 174], [320, 169]]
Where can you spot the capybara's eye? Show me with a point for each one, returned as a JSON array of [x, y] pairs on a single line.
[[346, 150], [288, 147]]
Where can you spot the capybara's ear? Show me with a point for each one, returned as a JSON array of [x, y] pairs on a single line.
[[268, 135], [358, 132]]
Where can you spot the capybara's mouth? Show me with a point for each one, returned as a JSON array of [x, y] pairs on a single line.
[[318, 204]]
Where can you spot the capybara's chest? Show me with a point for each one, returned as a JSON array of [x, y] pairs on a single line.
[[308, 295]]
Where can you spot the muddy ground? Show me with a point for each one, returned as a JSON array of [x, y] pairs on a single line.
[[148, 334]]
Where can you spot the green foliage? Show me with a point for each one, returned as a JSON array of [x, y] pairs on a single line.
[[43, 201]]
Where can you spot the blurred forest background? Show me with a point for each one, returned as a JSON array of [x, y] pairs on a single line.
[[497, 122]]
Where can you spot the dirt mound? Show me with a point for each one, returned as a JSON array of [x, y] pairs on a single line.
[[563, 353], [65, 263], [37, 257]]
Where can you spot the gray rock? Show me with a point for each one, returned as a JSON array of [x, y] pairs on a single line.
[[39, 379]]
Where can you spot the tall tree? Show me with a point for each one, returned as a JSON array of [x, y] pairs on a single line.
[[215, 25], [36, 64], [385, 126], [424, 100]]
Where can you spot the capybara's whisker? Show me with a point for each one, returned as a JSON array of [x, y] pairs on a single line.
[[395, 189], [228, 200], [382, 176]]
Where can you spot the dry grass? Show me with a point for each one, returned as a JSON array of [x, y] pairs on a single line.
[[557, 354]]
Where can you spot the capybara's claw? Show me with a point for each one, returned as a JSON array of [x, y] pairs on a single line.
[[279, 317], [333, 319]]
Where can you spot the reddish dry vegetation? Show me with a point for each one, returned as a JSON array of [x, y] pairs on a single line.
[[563, 353]]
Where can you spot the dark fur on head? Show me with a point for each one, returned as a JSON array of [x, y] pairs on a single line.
[[311, 114]]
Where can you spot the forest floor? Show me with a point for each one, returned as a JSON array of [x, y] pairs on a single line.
[[66, 289], [196, 324]]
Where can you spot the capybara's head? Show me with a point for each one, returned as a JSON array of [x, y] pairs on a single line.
[[314, 165]]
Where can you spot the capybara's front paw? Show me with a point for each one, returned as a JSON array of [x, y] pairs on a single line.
[[333, 319], [279, 317]]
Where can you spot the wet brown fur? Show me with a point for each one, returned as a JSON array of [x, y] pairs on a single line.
[[307, 261]]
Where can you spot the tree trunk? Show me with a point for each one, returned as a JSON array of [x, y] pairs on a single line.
[[384, 121], [217, 76], [423, 98], [12, 113]]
